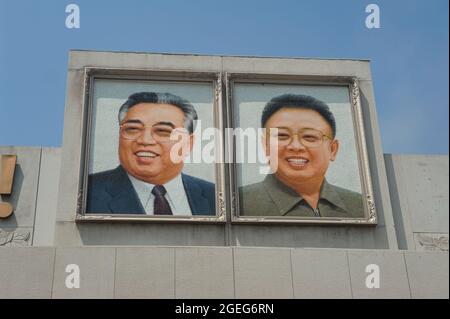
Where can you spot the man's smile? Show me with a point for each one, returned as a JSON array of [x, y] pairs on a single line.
[[146, 154], [146, 157], [297, 161]]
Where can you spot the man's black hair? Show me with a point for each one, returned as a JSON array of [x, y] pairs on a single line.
[[298, 101]]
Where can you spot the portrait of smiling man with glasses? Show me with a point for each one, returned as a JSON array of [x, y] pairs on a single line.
[[149, 179], [300, 143]]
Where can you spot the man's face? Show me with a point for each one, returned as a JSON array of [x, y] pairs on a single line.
[[297, 164], [145, 157]]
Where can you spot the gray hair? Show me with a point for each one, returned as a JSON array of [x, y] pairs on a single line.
[[190, 115]]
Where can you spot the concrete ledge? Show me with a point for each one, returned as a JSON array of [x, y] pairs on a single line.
[[428, 274], [26, 272], [97, 270], [390, 265], [220, 272]]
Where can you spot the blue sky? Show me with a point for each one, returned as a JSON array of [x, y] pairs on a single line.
[[409, 53]]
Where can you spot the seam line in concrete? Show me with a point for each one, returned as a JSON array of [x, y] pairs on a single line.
[[407, 275], [234, 273], [115, 268], [292, 272], [403, 201], [37, 194], [406, 203], [226, 235], [349, 274], [53, 272], [174, 273], [394, 196]]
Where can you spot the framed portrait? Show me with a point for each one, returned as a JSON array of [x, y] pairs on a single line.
[[152, 146], [299, 150]]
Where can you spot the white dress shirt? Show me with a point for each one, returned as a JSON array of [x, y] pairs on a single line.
[[176, 195]]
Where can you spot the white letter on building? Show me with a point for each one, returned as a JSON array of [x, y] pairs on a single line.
[[73, 279], [73, 19], [373, 280], [373, 19]]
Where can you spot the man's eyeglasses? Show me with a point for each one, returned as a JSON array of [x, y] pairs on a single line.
[[160, 133], [308, 137]]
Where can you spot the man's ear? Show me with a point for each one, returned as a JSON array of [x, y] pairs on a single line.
[[191, 142], [264, 142], [334, 145]]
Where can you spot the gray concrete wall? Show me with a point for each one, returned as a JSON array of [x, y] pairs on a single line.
[[418, 187], [17, 230], [70, 233], [222, 260], [166, 270], [44, 228], [34, 197], [220, 272], [420, 195]]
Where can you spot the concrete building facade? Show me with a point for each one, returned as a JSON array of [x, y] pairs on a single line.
[[409, 244]]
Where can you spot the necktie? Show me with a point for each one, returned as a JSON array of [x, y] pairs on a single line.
[[161, 205]]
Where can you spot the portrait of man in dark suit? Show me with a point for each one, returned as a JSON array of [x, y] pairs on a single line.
[[300, 142], [149, 178]]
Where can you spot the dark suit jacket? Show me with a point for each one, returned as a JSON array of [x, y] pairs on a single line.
[[111, 192]]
